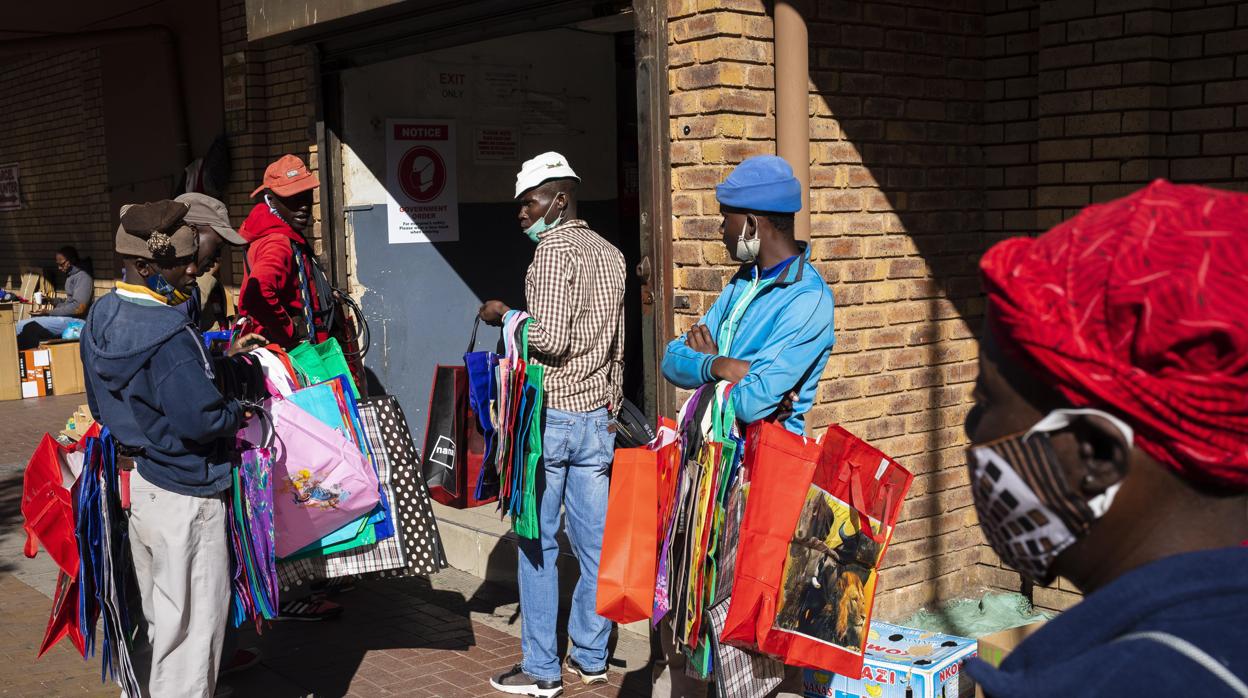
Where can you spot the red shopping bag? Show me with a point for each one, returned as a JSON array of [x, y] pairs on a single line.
[[831, 567], [454, 443], [626, 568], [779, 466], [47, 506]]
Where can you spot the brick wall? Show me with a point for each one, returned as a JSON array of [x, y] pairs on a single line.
[[935, 133], [1133, 90], [896, 200], [54, 128], [278, 116], [1088, 101]]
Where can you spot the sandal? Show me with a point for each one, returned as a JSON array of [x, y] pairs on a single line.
[[308, 610]]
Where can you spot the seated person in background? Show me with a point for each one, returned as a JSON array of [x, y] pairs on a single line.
[[1110, 444], [49, 324]]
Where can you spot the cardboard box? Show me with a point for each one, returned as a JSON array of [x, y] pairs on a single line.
[[995, 647], [78, 423], [901, 663], [35, 370], [10, 381], [66, 362]]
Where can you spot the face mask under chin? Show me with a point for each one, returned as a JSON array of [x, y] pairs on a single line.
[[540, 225], [1029, 512], [747, 250]]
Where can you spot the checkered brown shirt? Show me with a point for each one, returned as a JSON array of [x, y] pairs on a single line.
[[575, 292]]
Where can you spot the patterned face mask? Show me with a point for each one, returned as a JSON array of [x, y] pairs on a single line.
[[1028, 511], [173, 296]]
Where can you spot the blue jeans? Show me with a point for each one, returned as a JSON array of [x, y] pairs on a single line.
[[577, 451], [55, 324]]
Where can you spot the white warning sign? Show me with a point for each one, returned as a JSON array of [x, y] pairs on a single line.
[[423, 204]]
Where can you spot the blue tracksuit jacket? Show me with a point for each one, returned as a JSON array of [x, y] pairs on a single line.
[[786, 334]]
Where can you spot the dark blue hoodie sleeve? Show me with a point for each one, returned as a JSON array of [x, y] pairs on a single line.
[[88, 379], [189, 398]]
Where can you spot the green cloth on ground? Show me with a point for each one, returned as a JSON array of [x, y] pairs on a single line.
[[975, 618]]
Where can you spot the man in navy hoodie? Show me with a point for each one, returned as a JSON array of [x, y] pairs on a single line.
[[1110, 435], [150, 382]]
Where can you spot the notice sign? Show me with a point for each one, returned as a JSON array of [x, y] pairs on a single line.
[[10, 188], [423, 204], [496, 144]]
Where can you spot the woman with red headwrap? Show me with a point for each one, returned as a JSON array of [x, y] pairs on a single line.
[[1110, 444]]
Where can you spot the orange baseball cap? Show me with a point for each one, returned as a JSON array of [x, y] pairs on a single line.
[[287, 177]]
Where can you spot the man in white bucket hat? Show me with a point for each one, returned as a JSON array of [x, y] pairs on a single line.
[[575, 295]]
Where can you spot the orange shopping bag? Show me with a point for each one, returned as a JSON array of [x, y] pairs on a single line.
[[779, 466], [626, 568]]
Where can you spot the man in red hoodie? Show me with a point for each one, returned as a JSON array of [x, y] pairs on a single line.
[[278, 292]]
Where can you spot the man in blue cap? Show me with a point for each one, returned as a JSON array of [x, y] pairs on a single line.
[[769, 332]]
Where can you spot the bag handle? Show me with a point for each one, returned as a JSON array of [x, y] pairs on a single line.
[[848, 474], [858, 501], [472, 341], [268, 431]]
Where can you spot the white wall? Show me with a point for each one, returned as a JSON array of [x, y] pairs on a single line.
[[555, 88]]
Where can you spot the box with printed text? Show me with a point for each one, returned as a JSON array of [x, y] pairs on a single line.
[[901, 663], [34, 370]]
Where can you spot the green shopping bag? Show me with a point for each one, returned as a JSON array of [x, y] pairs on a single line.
[[525, 524], [321, 362], [365, 533]]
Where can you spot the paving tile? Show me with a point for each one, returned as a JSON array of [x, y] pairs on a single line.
[[396, 638]]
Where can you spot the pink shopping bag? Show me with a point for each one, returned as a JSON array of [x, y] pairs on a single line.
[[321, 481]]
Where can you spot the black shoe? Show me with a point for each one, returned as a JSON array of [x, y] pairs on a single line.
[[516, 682], [589, 678]]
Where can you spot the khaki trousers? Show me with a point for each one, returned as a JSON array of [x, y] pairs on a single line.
[[182, 566]]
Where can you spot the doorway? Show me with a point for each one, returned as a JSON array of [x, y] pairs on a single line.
[[571, 89]]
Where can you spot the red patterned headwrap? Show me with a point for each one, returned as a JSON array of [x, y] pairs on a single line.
[[1140, 307]]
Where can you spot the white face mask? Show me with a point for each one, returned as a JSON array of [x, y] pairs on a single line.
[[1028, 511], [747, 250]]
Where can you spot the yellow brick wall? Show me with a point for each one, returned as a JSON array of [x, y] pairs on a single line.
[[896, 228], [54, 129], [279, 117]]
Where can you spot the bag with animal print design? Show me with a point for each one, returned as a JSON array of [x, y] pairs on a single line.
[[831, 570]]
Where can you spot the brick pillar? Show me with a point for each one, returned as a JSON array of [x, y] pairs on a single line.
[[273, 115], [895, 100]]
